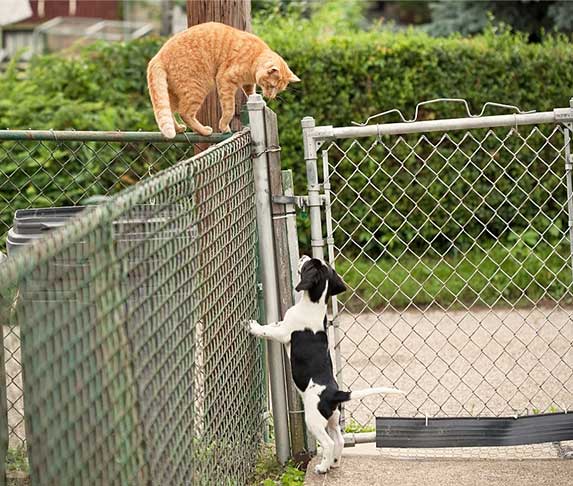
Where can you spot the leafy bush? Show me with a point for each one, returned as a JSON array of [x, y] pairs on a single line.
[[347, 75], [102, 89]]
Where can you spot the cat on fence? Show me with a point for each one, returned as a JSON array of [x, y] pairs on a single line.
[[193, 62]]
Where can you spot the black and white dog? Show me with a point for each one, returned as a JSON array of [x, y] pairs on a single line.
[[303, 330]]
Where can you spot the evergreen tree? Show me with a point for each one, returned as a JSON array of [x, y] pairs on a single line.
[[530, 16]]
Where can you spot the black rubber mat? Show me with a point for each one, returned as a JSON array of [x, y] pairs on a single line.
[[473, 432]]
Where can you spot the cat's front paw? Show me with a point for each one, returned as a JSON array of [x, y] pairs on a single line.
[[224, 126]]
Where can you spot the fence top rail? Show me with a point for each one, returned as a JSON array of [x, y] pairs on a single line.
[[107, 136], [22, 262], [558, 115]]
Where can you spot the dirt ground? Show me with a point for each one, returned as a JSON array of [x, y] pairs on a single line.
[[14, 386], [456, 363], [374, 471], [478, 362]]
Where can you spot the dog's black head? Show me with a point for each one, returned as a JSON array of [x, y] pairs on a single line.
[[314, 274]]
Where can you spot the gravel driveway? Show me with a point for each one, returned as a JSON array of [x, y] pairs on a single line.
[[372, 471], [479, 362]]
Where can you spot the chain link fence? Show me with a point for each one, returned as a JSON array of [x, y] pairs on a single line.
[[457, 252], [52, 169], [138, 367]]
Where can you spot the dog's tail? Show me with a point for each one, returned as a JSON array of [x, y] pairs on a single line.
[[345, 396]]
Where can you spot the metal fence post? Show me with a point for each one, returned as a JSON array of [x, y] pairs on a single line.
[[568, 169], [292, 237], [255, 107], [284, 253], [310, 157], [316, 241], [289, 295], [3, 412]]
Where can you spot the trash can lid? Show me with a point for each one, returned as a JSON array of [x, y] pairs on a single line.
[[36, 221]]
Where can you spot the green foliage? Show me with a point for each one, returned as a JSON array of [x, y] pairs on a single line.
[[272, 8], [353, 427], [446, 192], [292, 476], [268, 471], [465, 17], [518, 273], [17, 459], [551, 409], [103, 88], [350, 76], [346, 75], [530, 16]]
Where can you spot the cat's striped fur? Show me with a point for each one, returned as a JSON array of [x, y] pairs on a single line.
[[203, 57]]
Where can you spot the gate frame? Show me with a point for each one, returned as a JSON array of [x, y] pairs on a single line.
[[319, 194]]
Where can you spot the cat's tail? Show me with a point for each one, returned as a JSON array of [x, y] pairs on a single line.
[[157, 84]]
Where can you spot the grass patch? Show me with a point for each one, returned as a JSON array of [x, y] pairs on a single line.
[[353, 427], [17, 459], [268, 471], [17, 468], [510, 274]]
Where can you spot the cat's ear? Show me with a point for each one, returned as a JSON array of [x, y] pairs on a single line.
[[293, 78]]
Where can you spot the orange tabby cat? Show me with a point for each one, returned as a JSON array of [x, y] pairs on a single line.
[[210, 55]]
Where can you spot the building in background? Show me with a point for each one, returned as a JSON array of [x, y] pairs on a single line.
[[31, 26]]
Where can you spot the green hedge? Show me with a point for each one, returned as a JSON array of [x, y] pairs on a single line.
[[102, 89], [346, 76], [350, 77]]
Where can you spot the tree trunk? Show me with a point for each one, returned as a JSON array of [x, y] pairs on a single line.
[[236, 13], [166, 17]]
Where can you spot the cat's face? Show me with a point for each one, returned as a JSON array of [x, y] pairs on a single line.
[[274, 76]]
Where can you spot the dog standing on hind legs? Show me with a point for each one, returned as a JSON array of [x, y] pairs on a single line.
[[303, 331]]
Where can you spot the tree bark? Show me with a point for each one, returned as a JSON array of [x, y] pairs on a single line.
[[236, 13], [166, 17]]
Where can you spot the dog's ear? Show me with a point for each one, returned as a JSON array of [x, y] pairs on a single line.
[[308, 279], [335, 283]]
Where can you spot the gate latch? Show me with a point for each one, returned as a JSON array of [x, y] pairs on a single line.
[[300, 201]]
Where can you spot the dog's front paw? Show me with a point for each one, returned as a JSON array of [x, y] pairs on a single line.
[[320, 469], [255, 328]]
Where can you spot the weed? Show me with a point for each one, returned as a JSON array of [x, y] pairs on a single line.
[[17, 459], [268, 471], [354, 427]]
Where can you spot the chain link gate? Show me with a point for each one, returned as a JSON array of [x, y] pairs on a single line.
[[454, 237]]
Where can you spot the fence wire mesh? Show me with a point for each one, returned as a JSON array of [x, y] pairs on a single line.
[[52, 172], [456, 247], [138, 368]]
